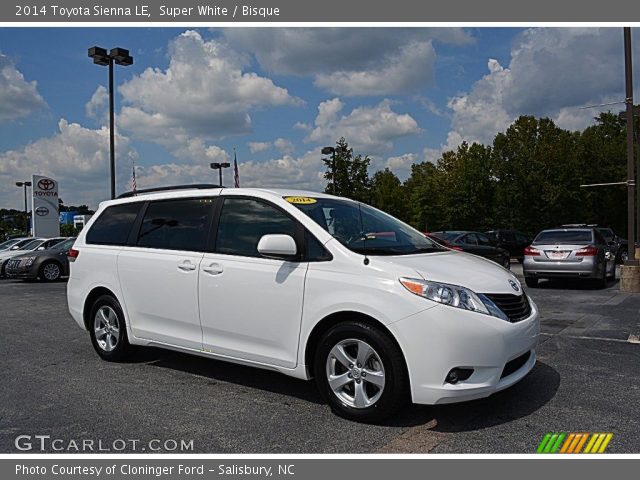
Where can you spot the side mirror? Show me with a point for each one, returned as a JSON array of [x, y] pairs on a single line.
[[39, 249], [277, 246]]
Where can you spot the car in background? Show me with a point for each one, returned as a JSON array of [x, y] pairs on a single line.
[[48, 265], [511, 240], [441, 241], [619, 246], [34, 244], [477, 243], [14, 243], [569, 253]]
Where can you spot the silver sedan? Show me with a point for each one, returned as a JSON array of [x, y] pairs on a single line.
[[569, 253]]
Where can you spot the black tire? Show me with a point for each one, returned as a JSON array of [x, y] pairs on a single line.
[[506, 263], [612, 277], [532, 282], [50, 271], [602, 282], [395, 393], [121, 348]]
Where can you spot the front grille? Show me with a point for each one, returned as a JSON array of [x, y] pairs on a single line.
[[516, 307], [13, 264], [516, 364]]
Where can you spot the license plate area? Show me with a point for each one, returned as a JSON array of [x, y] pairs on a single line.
[[557, 254]]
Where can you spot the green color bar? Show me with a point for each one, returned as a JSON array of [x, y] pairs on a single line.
[[555, 448], [543, 443], [550, 443]]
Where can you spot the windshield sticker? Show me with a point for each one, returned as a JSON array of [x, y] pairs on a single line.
[[301, 200]]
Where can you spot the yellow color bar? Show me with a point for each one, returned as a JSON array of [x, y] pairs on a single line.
[[606, 441], [594, 436]]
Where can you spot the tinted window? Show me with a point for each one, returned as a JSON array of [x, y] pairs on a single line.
[[114, 224], [483, 239], [66, 245], [176, 224], [470, 239], [315, 250], [607, 233], [31, 245], [243, 222], [599, 238], [580, 237]]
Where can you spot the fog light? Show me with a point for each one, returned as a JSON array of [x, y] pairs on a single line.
[[458, 375]]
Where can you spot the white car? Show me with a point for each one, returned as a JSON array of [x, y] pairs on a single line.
[[307, 284]]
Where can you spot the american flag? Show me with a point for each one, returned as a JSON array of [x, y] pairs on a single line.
[[236, 175], [134, 184]]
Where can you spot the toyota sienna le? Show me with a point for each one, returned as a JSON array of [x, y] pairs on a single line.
[[307, 284]]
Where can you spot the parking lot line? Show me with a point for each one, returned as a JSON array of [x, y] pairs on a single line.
[[585, 337]]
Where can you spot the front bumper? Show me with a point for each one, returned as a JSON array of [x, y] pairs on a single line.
[[21, 271], [443, 338], [587, 268]]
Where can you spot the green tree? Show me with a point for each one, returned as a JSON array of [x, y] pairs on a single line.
[[388, 194], [347, 176]]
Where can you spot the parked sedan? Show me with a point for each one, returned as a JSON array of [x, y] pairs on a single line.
[[477, 243], [14, 243], [569, 253], [34, 244], [48, 265]]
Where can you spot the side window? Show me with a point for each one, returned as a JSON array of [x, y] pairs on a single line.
[[470, 239], [315, 250], [179, 224], [244, 221], [509, 237], [599, 238], [483, 239], [114, 225]]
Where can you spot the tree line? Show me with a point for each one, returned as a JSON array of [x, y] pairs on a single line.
[[528, 179]]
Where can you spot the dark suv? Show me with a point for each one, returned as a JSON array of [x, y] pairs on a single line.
[[511, 240]]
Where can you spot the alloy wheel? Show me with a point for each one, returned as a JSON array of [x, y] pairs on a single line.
[[51, 271], [355, 373], [106, 328]]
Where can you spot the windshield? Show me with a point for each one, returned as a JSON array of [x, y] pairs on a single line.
[[64, 245], [574, 237], [362, 228], [607, 233], [8, 243]]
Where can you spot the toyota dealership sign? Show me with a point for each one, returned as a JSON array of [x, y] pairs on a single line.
[[45, 214]]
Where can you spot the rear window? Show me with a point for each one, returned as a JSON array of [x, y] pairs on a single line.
[[577, 237], [114, 225]]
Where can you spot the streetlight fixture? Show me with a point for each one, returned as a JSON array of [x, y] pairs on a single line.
[[219, 166], [119, 56], [25, 185]]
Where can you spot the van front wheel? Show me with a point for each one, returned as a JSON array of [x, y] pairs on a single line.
[[360, 372]]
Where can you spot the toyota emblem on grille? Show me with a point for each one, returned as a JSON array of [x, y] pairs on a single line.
[[514, 285], [42, 211]]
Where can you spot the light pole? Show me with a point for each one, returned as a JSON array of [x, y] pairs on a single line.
[[25, 185], [631, 181], [219, 166], [119, 56]]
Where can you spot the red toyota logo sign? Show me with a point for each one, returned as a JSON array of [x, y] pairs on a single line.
[[46, 184]]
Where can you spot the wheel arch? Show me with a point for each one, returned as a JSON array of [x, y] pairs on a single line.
[[334, 319], [94, 294]]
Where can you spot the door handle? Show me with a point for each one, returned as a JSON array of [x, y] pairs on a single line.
[[186, 266], [213, 269]]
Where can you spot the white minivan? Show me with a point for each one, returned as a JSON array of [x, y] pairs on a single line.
[[307, 284]]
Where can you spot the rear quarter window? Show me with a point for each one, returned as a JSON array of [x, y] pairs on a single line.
[[114, 225]]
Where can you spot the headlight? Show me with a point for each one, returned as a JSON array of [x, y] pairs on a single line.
[[27, 261], [453, 296]]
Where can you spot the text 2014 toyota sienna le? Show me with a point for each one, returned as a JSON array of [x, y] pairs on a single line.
[[307, 284]]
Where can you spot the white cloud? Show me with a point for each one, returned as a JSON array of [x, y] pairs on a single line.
[[371, 130], [284, 145], [96, 107], [18, 97], [409, 69], [76, 156], [372, 61], [204, 94], [256, 147], [552, 72]]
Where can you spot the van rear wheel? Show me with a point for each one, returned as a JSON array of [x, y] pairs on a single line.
[[360, 372], [108, 329]]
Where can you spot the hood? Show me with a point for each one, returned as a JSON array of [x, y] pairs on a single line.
[[4, 254], [458, 268]]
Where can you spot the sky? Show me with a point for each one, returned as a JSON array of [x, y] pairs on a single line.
[[278, 95]]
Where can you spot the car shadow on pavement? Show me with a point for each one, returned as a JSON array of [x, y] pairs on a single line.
[[521, 400]]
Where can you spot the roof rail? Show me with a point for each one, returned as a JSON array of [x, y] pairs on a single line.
[[199, 186]]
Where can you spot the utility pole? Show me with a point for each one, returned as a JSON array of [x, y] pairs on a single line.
[[631, 182]]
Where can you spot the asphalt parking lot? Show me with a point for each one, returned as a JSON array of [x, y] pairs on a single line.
[[586, 380]]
